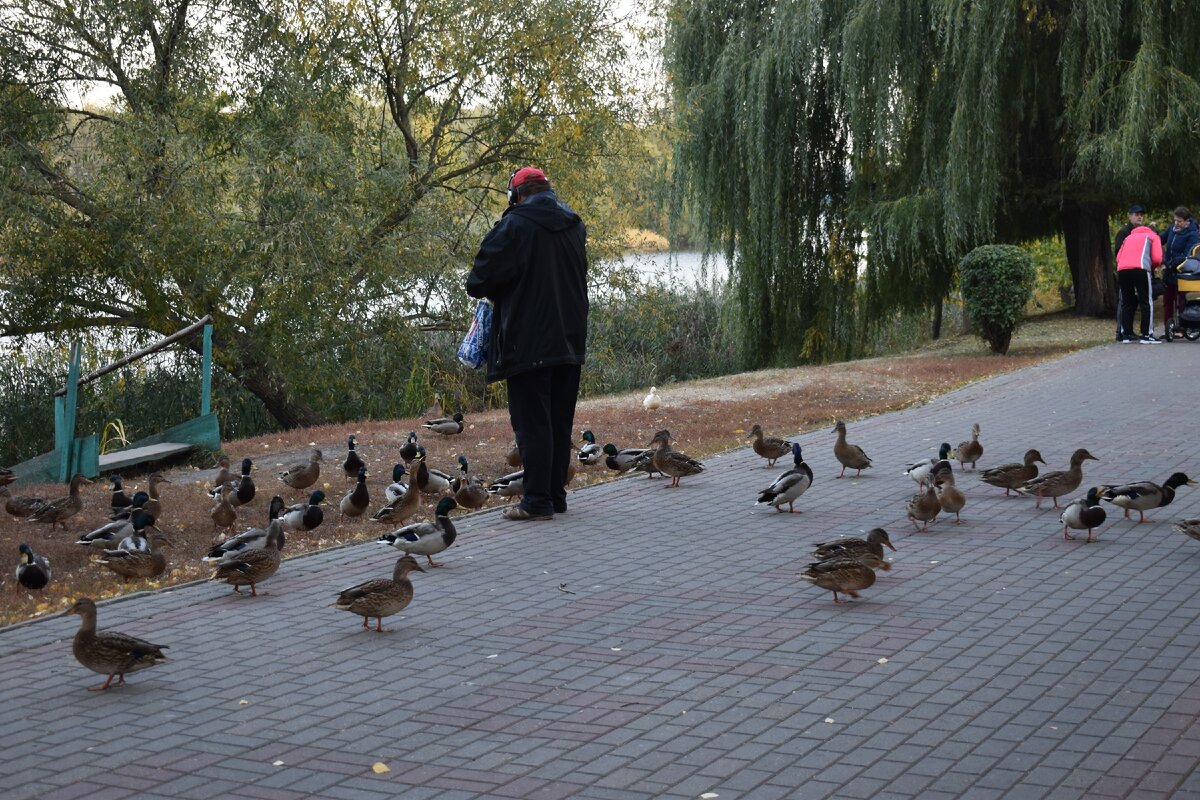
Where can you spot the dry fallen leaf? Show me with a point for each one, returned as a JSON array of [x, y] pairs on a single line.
[[279, 763], [243, 702], [883, 661], [379, 768], [829, 719]]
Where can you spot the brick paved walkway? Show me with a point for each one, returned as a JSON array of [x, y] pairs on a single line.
[[689, 661]]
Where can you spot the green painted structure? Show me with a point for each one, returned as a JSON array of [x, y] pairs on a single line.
[[72, 454]]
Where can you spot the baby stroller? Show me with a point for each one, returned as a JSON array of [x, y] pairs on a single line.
[[1185, 320]]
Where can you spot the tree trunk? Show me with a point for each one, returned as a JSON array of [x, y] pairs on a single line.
[[244, 360], [937, 319], [1089, 255]]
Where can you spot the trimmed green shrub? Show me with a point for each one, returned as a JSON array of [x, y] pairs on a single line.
[[997, 281]]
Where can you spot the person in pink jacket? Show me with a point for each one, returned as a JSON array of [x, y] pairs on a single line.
[[1140, 253]]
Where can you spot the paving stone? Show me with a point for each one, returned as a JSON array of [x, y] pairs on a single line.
[[1018, 664]]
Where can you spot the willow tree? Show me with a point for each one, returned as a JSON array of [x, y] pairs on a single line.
[[898, 134], [302, 170]]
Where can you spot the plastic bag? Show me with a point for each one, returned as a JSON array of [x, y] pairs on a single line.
[[473, 351]]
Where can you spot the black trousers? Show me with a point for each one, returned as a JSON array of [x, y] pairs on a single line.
[[541, 406], [1134, 283]]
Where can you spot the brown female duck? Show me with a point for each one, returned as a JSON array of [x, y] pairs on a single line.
[[110, 653], [1012, 476], [57, 512], [848, 455], [380, 597]]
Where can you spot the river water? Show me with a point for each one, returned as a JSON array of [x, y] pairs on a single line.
[[678, 267]]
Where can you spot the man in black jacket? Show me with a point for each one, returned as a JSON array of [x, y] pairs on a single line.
[[533, 267]]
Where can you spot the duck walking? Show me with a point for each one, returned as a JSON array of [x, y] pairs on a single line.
[[108, 652], [969, 451], [1143, 496], [404, 502], [870, 548], [426, 538], [113, 533], [926, 471], [671, 462], [849, 455], [408, 451], [20, 505], [589, 453], [510, 485], [223, 514], [58, 511], [923, 506], [772, 448], [1083, 513], [303, 474], [353, 462], [33, 571], [252, 567], [952, 499], [148, 563], [1189, 527], [119, 499], [1012, 476], [249, 539], [652, 402], [381, 597], [845, 575], [788, 487], [304, 516], [1060, 482], [243, 486]]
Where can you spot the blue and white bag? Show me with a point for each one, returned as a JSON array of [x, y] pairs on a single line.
[[474, 348]]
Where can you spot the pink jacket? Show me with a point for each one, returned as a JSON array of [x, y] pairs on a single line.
[[1130, 254]]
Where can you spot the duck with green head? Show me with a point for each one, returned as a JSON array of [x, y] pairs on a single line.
[[426, 538]]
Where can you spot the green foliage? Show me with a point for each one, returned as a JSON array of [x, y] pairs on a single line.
[[997, 281], [908, 133], [313, 174]]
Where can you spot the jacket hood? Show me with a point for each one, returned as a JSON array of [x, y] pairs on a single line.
[[547, 211]]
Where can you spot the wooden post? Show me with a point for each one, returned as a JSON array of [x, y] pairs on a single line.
[[206, 372], [64, 417]]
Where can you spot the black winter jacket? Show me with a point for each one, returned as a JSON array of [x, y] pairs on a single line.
[[532, 265]]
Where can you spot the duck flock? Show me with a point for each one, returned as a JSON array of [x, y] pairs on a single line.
[[131, 546]]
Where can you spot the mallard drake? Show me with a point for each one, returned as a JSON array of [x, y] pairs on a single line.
[[353, 462], [925, 471], [447, 426], [1083, 513], [622, 461], [1056, 484], [7, 476], [867, 551], [303, 474], [1189, 527], [923, 506], [1012, 476], [590, 453], [355, 503], [426, 538], [1143, 496], [149, 563], [848, 455], [223, 514], [969, 451], [251, 567], [672, 462], [652, 402], [19, 505], [404, 503], [845, 575], [513, 457], [430, 480], [140, 499], [117, 531], [58, 511], [243, 486], [395, 490], [119, 499], [510, 485], [949, 496], [33, 571], [251, 538], [408, 451], [110, 653], [381, 597], [771, 448], [304, 516], [789, 485]]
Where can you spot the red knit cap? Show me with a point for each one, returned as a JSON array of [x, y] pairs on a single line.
[[526, 175]]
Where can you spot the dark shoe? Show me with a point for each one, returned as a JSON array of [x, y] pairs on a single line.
[[518, 514], [560, 508], [1150, 338]]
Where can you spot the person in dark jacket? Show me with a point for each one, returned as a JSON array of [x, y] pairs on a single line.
[[1137, 216], [1177, 241], [533, 267]]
